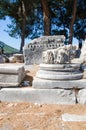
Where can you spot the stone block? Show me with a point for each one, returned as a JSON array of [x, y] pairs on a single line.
[[81, 97], [54, 75], [84, 69], [73, 117], [11, 75], [33, 51], [54, 84], [60, 67], [41, 96], [19, 58]]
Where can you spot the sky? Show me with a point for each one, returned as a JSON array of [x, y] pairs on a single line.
[[4, 36], [13, 42]]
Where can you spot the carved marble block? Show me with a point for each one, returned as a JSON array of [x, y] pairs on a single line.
[[60, 55]]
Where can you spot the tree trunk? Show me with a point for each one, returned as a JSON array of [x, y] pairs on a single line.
[[23, 35], [47, 18], [80, 43], [23, 14], [72, 22]]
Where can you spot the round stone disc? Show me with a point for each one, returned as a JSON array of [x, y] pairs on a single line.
[[60, 67]]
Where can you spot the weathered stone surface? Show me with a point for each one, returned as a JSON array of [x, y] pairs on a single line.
[[60, 67], [11, 75], [59, 76], [53, 75], [10, 68], [12, 59], [83, 51], [19, 58], [33, 51], [81, 97], [57, 73], [84, 71], [42, 96], [55, 84], [5, 58], [1, 59], [73, 117], [60, 55]]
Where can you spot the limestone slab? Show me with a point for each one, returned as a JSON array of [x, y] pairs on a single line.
[[42, 96], [81, 97], [73, 117], [11, 75], [53, 84], [10, 68]]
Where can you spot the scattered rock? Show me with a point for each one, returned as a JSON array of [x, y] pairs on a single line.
[[73, 117], [5, 58], [19, 58], [12, 59], [10, 105], [37, 104]]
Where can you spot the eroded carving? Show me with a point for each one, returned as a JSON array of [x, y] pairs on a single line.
[[61, 55]]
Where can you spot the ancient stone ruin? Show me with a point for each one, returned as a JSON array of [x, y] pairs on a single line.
[[33, 51], [11, 75], [60, 55], [57, 73], [58, 80]]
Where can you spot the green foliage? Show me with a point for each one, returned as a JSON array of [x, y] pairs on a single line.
[[61, 15], [80, 23]]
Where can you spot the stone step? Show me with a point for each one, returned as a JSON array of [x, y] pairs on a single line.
[[60, 67], [53, 84], [58, 72], [50, 75], [41, 96]]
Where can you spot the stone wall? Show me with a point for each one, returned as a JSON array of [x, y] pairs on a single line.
[[33, 50]]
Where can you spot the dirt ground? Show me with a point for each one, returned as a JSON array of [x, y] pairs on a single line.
[[29, 116]]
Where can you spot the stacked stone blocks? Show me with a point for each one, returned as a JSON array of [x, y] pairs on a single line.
[[33, 51]]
